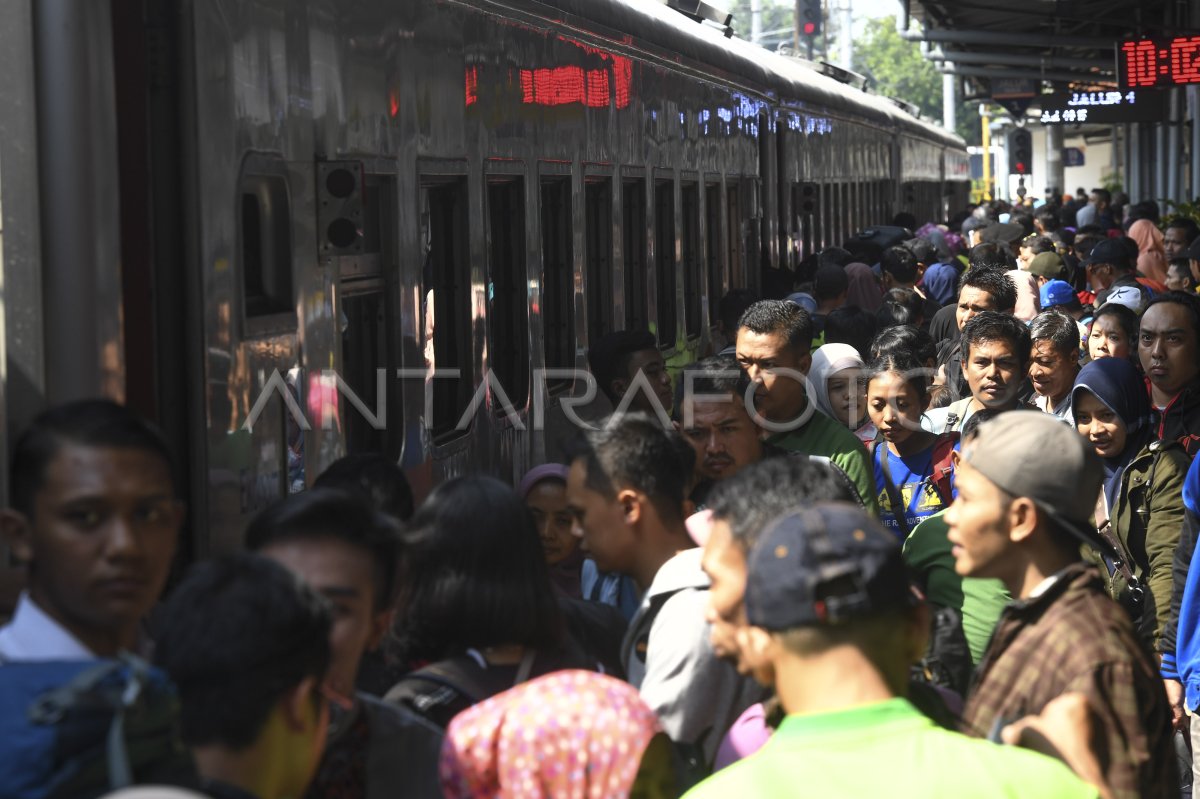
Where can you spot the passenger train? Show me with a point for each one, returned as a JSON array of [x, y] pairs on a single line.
[[225, 211]]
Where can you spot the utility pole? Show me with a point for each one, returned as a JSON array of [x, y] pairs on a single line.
[[987, 151], [756, 21], [847, 36]]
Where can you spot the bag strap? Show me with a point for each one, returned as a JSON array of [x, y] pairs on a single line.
[[899, 509], [943, 466], [1117, 560]]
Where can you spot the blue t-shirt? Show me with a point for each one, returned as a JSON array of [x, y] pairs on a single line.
[[911, 475]]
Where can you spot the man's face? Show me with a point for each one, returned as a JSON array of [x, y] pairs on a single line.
[[1175, 242], [345, 575], [971, 301], [1051, 372], [978, 526], [1178, 279], [1167, 347], [723, 435], [100, 540], [777, 396], [1098, 201], [724, 561], [1101, 276], [600, 522], [994, 373], [650, 363]]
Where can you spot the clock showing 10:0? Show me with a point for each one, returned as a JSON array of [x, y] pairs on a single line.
[[1158, 62]]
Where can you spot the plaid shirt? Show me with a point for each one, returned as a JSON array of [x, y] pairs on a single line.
[[1074, 637]]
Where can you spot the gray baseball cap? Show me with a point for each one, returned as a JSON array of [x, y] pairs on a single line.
[[1033, 454]]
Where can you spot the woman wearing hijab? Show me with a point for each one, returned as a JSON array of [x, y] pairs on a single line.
[[941, 283], [836, 375], [570, 735], [864, 289], [1152, 258], [1140, 508], [544, 490]]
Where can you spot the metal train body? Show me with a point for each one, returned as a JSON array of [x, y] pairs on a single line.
[[311, 189]]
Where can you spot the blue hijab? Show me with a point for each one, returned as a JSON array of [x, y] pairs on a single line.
[[940, 282], [1117, 384]]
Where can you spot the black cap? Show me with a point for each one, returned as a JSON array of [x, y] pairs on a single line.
[[1002, 233], [827, 564], [1193, 250], [1109, 251]]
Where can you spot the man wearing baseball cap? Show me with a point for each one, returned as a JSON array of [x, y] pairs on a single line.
[[1026, 486], [1110, 267], [835, 628], [1047, 266]]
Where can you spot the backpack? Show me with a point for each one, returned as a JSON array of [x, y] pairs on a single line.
[[940, 475], [84, 728]]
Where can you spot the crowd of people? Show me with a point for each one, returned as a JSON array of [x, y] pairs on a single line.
[[924, 526]]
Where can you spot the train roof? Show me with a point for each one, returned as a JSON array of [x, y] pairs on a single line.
[[786, 80]]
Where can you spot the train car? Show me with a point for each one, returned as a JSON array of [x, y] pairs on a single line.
[[291, 230]]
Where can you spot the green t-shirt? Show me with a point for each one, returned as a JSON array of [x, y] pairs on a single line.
[[888, 749], [827, 437], [979, 601]]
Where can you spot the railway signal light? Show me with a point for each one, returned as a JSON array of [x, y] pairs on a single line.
[[808, 17], [1020, 151], [808, 202]]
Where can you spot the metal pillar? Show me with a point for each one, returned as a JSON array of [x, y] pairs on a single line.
[[1133, 187], [756, 21], [1055, 177], [1159, 163], [847, 35], [1193, 93], [949, 102], [986, 121], [1171, 158]]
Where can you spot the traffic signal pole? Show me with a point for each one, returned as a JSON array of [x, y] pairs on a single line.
[[986, 121]]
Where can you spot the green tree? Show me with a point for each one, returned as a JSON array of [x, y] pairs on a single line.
[[778, 24], [897, 68]]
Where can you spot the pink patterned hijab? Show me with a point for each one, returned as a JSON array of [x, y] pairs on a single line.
[[567, 735]]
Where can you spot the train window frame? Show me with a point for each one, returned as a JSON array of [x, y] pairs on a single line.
[[634, 259], [603, 303], [666, 264], [508, 288], [735, 240], [557, 284], [716, 271], [691, 260], [451, 396], [265, 177]]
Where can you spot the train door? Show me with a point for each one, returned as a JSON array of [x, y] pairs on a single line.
[[693, 270], [664, 262], [557, 296], [598, 260], [368, 330], [717, 274], [633, 252], [445, 308], [734, 239]]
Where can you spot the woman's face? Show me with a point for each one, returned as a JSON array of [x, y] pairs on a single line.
[[1103, 429], [847, 396], [547, 501], [895, 407], [1108, 340]]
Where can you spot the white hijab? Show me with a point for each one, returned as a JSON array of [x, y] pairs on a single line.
[[828, 360]]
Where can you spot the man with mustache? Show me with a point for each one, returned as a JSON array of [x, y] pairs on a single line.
[[996, 350]]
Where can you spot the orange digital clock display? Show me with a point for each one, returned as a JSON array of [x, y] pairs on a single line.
[[1143, 63]]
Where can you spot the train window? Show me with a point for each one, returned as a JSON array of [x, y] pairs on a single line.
[[446, 298], [598, 243], [693, 274], [265, 234], [558, 278], [733, 236], [718, 279], [633, 250], [664, 259], [508, 288]]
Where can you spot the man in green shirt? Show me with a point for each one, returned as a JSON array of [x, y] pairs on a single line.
[[834, 629], [773, 341], [979, 600]]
